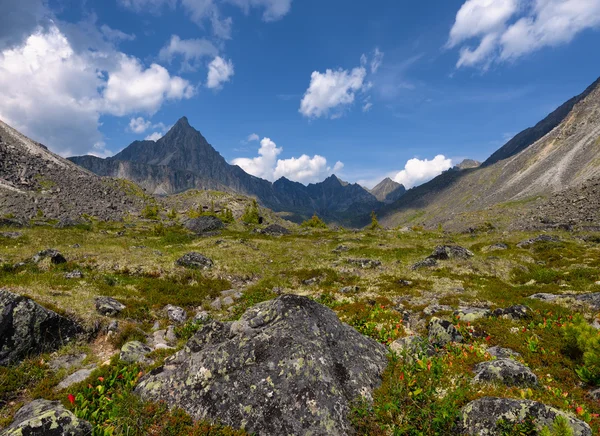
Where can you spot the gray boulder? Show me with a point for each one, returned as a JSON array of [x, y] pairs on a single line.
[[515, 312], [446, 252], [502, 353], [542, 238], [135, 352], [47, 418], [350, 289], [109, 306], [480, 417], [195, 261], [470, 314], [442, 332], [287, 367], [426, 263], [55, 257], [176, 314], [27, 328], [506, 371], [76, 377], [204, 224]]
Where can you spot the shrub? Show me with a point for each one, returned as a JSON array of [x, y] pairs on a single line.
[[374, 223], [227, 216], [315, 222], [251, 213], [172, 214], [583, 342], [150, 212]]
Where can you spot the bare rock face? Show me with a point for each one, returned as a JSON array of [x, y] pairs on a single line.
[[47, 418], [480, 417], [288, 366], [27, 328]]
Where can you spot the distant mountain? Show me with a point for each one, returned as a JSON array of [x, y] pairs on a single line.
[[388, 191], [183, 159], [36, 182], [468, 164], [533, 164]]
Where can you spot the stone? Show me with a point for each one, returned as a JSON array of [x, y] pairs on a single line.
[[11, 235], [10, 222], [75, 274], [66, 362], [201, 316], [195, 261], [341, 248], [412, 347], [426, 263], [113, 326], [432, 309], [470, 314], [502, 353], [480, 417], [204, 224], [365, 263], [275, 230], [542, 238], [506, 371], [287, 366], [446, 252], [55, 257], [515, 312], [170, 336], [349, 289], [47, 418], [76, 377], [498, 247], [109, 306], [233, 293], [135, 352], [594, 394], [227, 301], [27, 328], [544, 296], [310, 282], [405, 282], [175, 314], [216, 304], [442, 332]]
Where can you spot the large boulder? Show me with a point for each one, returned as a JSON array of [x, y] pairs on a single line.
[[47, 418], [204, 224], [27, 328], [287, 367], [480, 417]]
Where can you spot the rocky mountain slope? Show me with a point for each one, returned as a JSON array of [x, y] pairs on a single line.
[[36, 182], [388, 191], [183, 159], [567, 156]]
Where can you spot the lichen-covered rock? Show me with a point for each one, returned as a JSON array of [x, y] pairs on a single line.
[[480, 417], [500, 246], [74, 378], [27, 328], [412, 347], [515, 312], [55, 257], [195, 260], [47, 418], [176, 314], [365, 263], [75, 274], [502, 353], [287, 367], [442, 332], [204, 224], [434, 308], [350, 289], [470, 314], [506, 371], [446, 252], [542, 238], [426, 263], [135, 352], [109, 306]]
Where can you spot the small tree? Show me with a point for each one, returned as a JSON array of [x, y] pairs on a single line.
[[150, 212], [251, 213], [315, 222], [374, 223], [227, 216], [172, 214]]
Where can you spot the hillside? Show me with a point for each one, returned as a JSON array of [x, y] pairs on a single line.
[[567, 156]]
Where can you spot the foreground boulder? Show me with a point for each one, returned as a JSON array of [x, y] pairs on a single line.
[[287, 367], [204, 224], [27, 328], [480, 417], [47, 418]]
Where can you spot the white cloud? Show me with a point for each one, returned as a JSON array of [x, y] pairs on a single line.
[[56, 94], [152, 6], [154, 136], [418, 171], [161, 131], [115, 35], [139, 125], [331, 91], [252, 137], [273, 9], [18, 19], [190, 50], [377, 60], [219, 72], [509, 29], [304, 169]]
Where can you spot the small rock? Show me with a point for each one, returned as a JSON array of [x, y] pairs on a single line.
[[542, 238], [442, 332], [341, 248], [66, 362], [134, 352], [502, 353], [446, 252], [436, 308], [310, 282], [594, 394], [109, 306], [233, 293], [426, 263], [195, 260], [480, 417], [227, 301], [216, 304], [515, 312], [506, 371], [498, 247], [204, 224], [349, 289], [412, 347], [175, 314], [405, 282], [544, 296], [202, 316], [113, 326], [170, 336], [47, 418], [470, 314], [76, 377], [75, 274], [55, 257], [365, 263]]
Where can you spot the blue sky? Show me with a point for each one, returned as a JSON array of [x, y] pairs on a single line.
[[357, 88]]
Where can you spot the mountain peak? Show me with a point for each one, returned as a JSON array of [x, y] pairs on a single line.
[[182, 122], [388, 190]]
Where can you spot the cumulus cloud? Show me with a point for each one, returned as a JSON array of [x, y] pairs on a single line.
[[329, 92], [508, 29], [139, 125], [191, 51], [219, 72], [18, 19], [77, 88], [304, 169], [161, 131], [417, 171], [154, 136]]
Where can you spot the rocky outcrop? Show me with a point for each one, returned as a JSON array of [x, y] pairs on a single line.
[[446, 252], [542, 238], [204, 224], [480, 417], [27, 328], [274, 230], [47, 418], [288, 366]]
